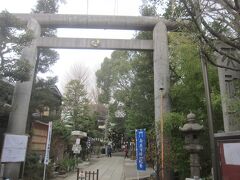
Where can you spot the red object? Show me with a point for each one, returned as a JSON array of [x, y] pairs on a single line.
[[228, 171]]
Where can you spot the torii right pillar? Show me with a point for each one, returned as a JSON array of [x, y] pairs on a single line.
[[161, 82]]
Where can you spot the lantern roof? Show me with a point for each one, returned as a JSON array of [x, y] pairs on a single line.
[[191, 125]]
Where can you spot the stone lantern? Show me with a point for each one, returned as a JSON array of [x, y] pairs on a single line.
[[191, 131]]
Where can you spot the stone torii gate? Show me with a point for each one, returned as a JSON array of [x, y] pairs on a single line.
[[159, 46]]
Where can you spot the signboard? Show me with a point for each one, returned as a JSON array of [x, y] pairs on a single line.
[[46, 159], [78, 141], [39, 135], [141, 149], [14, 148], [76, 148], [232, 153]]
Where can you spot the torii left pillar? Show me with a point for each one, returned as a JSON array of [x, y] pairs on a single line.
[[22, 94]]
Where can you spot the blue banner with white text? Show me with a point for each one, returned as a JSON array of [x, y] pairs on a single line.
[[141, 149]]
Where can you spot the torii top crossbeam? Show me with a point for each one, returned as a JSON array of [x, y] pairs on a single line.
[[97, 21]]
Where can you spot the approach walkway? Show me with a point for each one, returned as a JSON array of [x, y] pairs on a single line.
[[109, 168], [130, 171], [112, 168]]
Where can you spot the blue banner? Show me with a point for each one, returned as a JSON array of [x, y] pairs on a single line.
[[141, 149]]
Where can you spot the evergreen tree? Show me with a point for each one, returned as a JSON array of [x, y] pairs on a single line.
[[13, 38], [44, 95], [76, 106], [46, 56], [41, 92]]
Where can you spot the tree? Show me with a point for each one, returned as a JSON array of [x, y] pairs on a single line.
[[46, 56], [41, 92], [186, 90], [187, 94], [76, 71], [114, 83], [76, 106], [220, 21], [77, 109], [126, 79], [220, 24], [113, 76], [47, 6], [44, 96], [177, 158], [13, 38]]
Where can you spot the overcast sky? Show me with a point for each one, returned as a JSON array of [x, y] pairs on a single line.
[[90, 59]]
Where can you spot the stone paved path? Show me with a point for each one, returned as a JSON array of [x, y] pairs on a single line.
[[114, 168], [109, 169]]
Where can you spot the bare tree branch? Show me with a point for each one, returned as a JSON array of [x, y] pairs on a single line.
[[227, 39]]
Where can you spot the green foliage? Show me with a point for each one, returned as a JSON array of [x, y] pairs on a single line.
[[151, 148], [148, 10], [76, 106], [47, 57], [187, 94], [114, 79], [113, 76], [34, 168], [126, 84], [67, 164], [186, 74], [60, 130], [44, 95], [175, 11], [47, 6], [6, 91], [127, 79], [20, 70], [97, 149], [177, 156], [13, 38], [187, 90], [140, 105]]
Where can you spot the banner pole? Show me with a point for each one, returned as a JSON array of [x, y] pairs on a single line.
[[47, 152], [44, 171], [161, 133]]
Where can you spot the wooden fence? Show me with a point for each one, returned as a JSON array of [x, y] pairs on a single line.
[[87, 175]]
